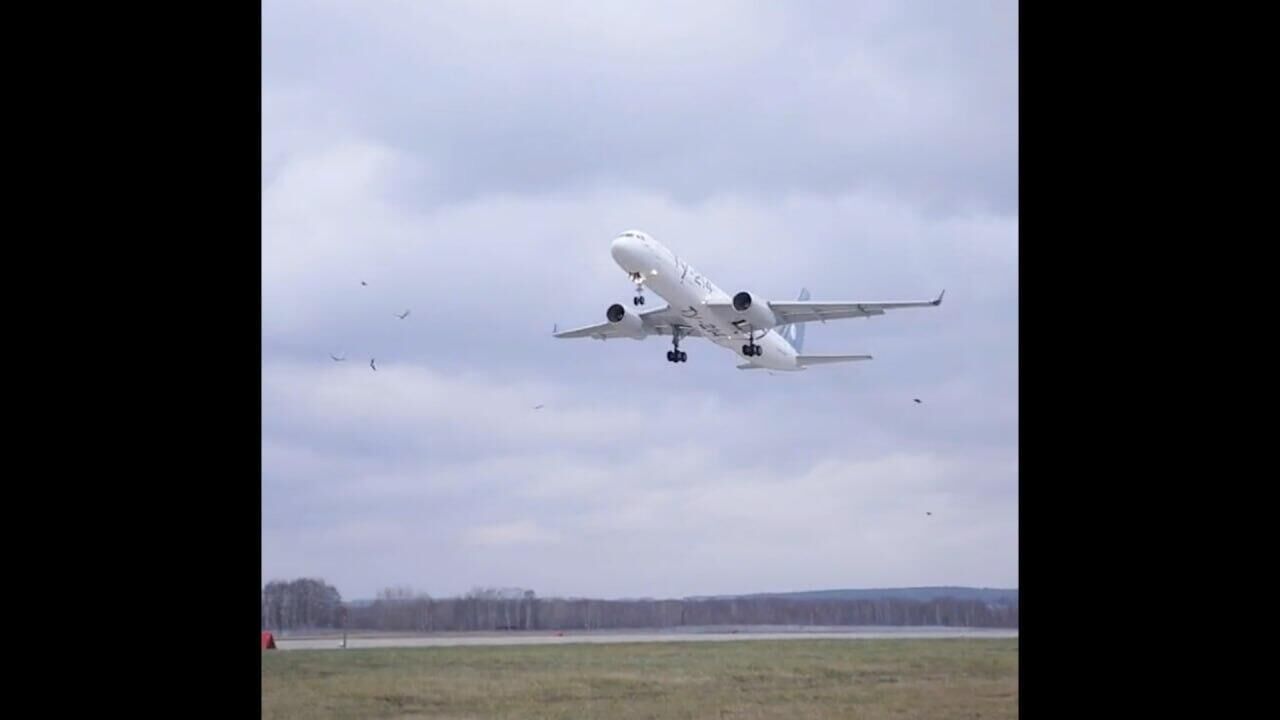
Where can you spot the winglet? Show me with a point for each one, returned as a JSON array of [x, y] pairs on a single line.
[[939, 300]]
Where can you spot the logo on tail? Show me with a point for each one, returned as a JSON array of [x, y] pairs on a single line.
[[794, 333]]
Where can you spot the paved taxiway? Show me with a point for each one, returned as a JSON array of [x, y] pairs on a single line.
[[553, 637]]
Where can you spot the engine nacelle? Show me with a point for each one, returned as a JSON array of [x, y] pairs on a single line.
[[629, 324], [755, 311]]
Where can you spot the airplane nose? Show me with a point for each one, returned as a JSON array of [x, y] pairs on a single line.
[[625, 251]]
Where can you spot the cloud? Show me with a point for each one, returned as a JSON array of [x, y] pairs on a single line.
[[467, 494], [470, 161], [513, 533], [915, 99]]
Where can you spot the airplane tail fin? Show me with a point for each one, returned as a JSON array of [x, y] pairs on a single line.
[[794, 333]]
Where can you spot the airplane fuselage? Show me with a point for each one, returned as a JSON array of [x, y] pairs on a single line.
[[688, 292]]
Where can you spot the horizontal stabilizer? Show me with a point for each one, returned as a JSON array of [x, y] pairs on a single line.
[[826, 359]]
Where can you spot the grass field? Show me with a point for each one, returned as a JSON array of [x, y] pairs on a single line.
[[730, 680]]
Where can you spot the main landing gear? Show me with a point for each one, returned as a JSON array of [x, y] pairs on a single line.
[[676, 354], [638, 279], [751, 349]]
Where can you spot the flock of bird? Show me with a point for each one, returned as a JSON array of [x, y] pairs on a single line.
[[372, 361], [405, 314]]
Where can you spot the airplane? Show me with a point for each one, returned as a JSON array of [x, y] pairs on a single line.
[[771, 332]]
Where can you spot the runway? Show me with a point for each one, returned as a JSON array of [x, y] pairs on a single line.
[[365, 640]]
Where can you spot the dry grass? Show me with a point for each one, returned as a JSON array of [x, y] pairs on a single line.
[[731, 680]]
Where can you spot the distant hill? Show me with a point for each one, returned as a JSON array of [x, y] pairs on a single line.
[[922, 594]]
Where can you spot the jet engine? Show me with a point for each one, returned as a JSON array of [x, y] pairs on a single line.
[[629, 324], [755, 311]]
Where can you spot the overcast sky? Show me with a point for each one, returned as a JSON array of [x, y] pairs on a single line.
[[471, 161]]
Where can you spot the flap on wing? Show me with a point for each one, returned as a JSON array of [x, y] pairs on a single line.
[[796, 311], [658, 321], [599, 331]]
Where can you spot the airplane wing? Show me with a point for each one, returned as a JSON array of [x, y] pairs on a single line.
[[799, 311], [658, 321]]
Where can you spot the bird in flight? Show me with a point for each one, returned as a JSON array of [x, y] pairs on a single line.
[[364, 283], [375, 367], [928, 513], [403, 316], [538, 407], [917, 400], [336, 358]]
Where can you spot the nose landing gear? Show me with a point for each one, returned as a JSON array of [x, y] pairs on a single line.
[[638, 279]]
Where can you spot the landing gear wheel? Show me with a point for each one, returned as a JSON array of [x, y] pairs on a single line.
[[675, 354]]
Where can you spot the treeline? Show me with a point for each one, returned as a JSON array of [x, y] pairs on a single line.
[[490, 610], [303, 604]]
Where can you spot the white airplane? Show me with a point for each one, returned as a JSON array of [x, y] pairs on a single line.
[[771, 333]]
